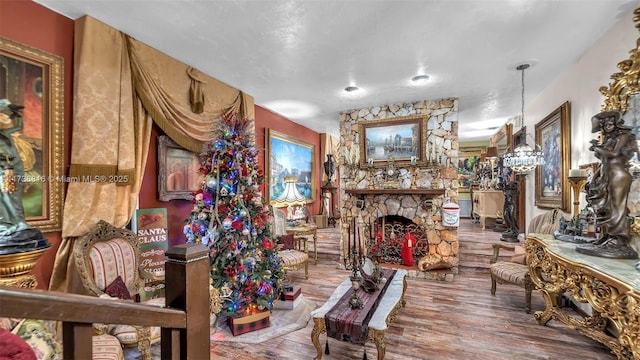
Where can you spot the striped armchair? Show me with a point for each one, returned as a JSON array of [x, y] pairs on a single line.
[[293, 251], [107, 259], [514, 271]]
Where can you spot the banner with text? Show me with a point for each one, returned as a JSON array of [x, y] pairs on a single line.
[[151, 227]]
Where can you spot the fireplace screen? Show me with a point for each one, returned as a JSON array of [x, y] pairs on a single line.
[[394, 230]]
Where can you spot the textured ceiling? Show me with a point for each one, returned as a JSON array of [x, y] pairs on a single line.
[[304, 53]]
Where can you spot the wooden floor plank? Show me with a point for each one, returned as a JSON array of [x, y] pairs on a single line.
[[442, 320]]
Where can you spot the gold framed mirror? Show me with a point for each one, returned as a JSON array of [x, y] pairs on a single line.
[[623, 94], [503, 139]]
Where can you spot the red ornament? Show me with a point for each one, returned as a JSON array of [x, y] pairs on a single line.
[[267, 244], [237, 225]]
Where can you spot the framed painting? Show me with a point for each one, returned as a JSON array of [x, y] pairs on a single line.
[[553, 135], [33, 78], [178, 171], [469, 159], [403, 139], [289, 158]]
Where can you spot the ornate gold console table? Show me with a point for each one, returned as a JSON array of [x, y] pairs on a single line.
[[610, 286]]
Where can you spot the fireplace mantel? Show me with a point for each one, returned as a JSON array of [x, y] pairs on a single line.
[[423, 192]]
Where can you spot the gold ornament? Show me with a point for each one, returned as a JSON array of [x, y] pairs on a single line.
[[215, 301], [9, 185]]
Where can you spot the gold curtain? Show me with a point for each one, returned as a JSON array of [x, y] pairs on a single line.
[[165, 85], [121, 86]]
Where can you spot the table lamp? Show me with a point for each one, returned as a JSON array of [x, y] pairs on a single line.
[[290, 196]]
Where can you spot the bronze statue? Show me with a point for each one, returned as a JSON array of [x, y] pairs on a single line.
[[609, 187], [15, 234], [510, 190]]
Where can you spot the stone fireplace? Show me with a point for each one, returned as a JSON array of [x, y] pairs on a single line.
[[412, 204]]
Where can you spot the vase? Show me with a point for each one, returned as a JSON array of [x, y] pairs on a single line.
[[329, 169]]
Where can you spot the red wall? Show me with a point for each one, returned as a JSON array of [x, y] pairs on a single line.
[[41, 28], [178, 210], [267, 119]]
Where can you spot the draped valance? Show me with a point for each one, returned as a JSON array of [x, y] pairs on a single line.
[[121, 86]]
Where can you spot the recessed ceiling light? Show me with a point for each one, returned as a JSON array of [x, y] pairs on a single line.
[[420, 78], [351, 88]]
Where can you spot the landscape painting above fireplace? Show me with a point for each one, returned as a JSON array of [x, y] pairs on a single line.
[[401, 139]]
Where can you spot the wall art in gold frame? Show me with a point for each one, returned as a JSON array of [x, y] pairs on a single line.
[[34, 79], [503, 139], [469, 158], [288, 156], [178, 171], [553, 135], [402, 138], [623, 94]]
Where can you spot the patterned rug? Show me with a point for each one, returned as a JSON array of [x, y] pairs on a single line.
[[282, 322], [217, 352]]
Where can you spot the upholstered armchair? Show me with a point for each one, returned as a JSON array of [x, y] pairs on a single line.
[[292, 250], [512, 271], [107, 259]]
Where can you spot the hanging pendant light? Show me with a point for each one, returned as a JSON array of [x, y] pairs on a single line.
[[523, 158]]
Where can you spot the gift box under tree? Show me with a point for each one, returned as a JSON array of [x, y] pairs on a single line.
[[243, 324]]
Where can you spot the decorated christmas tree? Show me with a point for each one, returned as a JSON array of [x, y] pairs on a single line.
[[229, 217]]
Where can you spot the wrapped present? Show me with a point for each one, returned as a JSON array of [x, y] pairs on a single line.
[[243, 324], [287, 304], [290, 293]]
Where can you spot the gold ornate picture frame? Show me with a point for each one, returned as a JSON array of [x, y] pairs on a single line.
[[288, 156], [34, 79], [623, 94], [178, 171], [401, 138], [553, 135], [469, 158], [503, 139]]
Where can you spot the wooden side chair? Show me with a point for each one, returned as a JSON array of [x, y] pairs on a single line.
[[514, 271], [107, 259], [293, 250]]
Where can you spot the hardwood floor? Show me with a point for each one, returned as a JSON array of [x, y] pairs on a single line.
[[442, 320]]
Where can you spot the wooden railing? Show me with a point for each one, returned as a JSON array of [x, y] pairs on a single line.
[[184, 322]]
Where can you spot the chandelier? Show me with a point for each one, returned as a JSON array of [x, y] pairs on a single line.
[[523, 158]]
